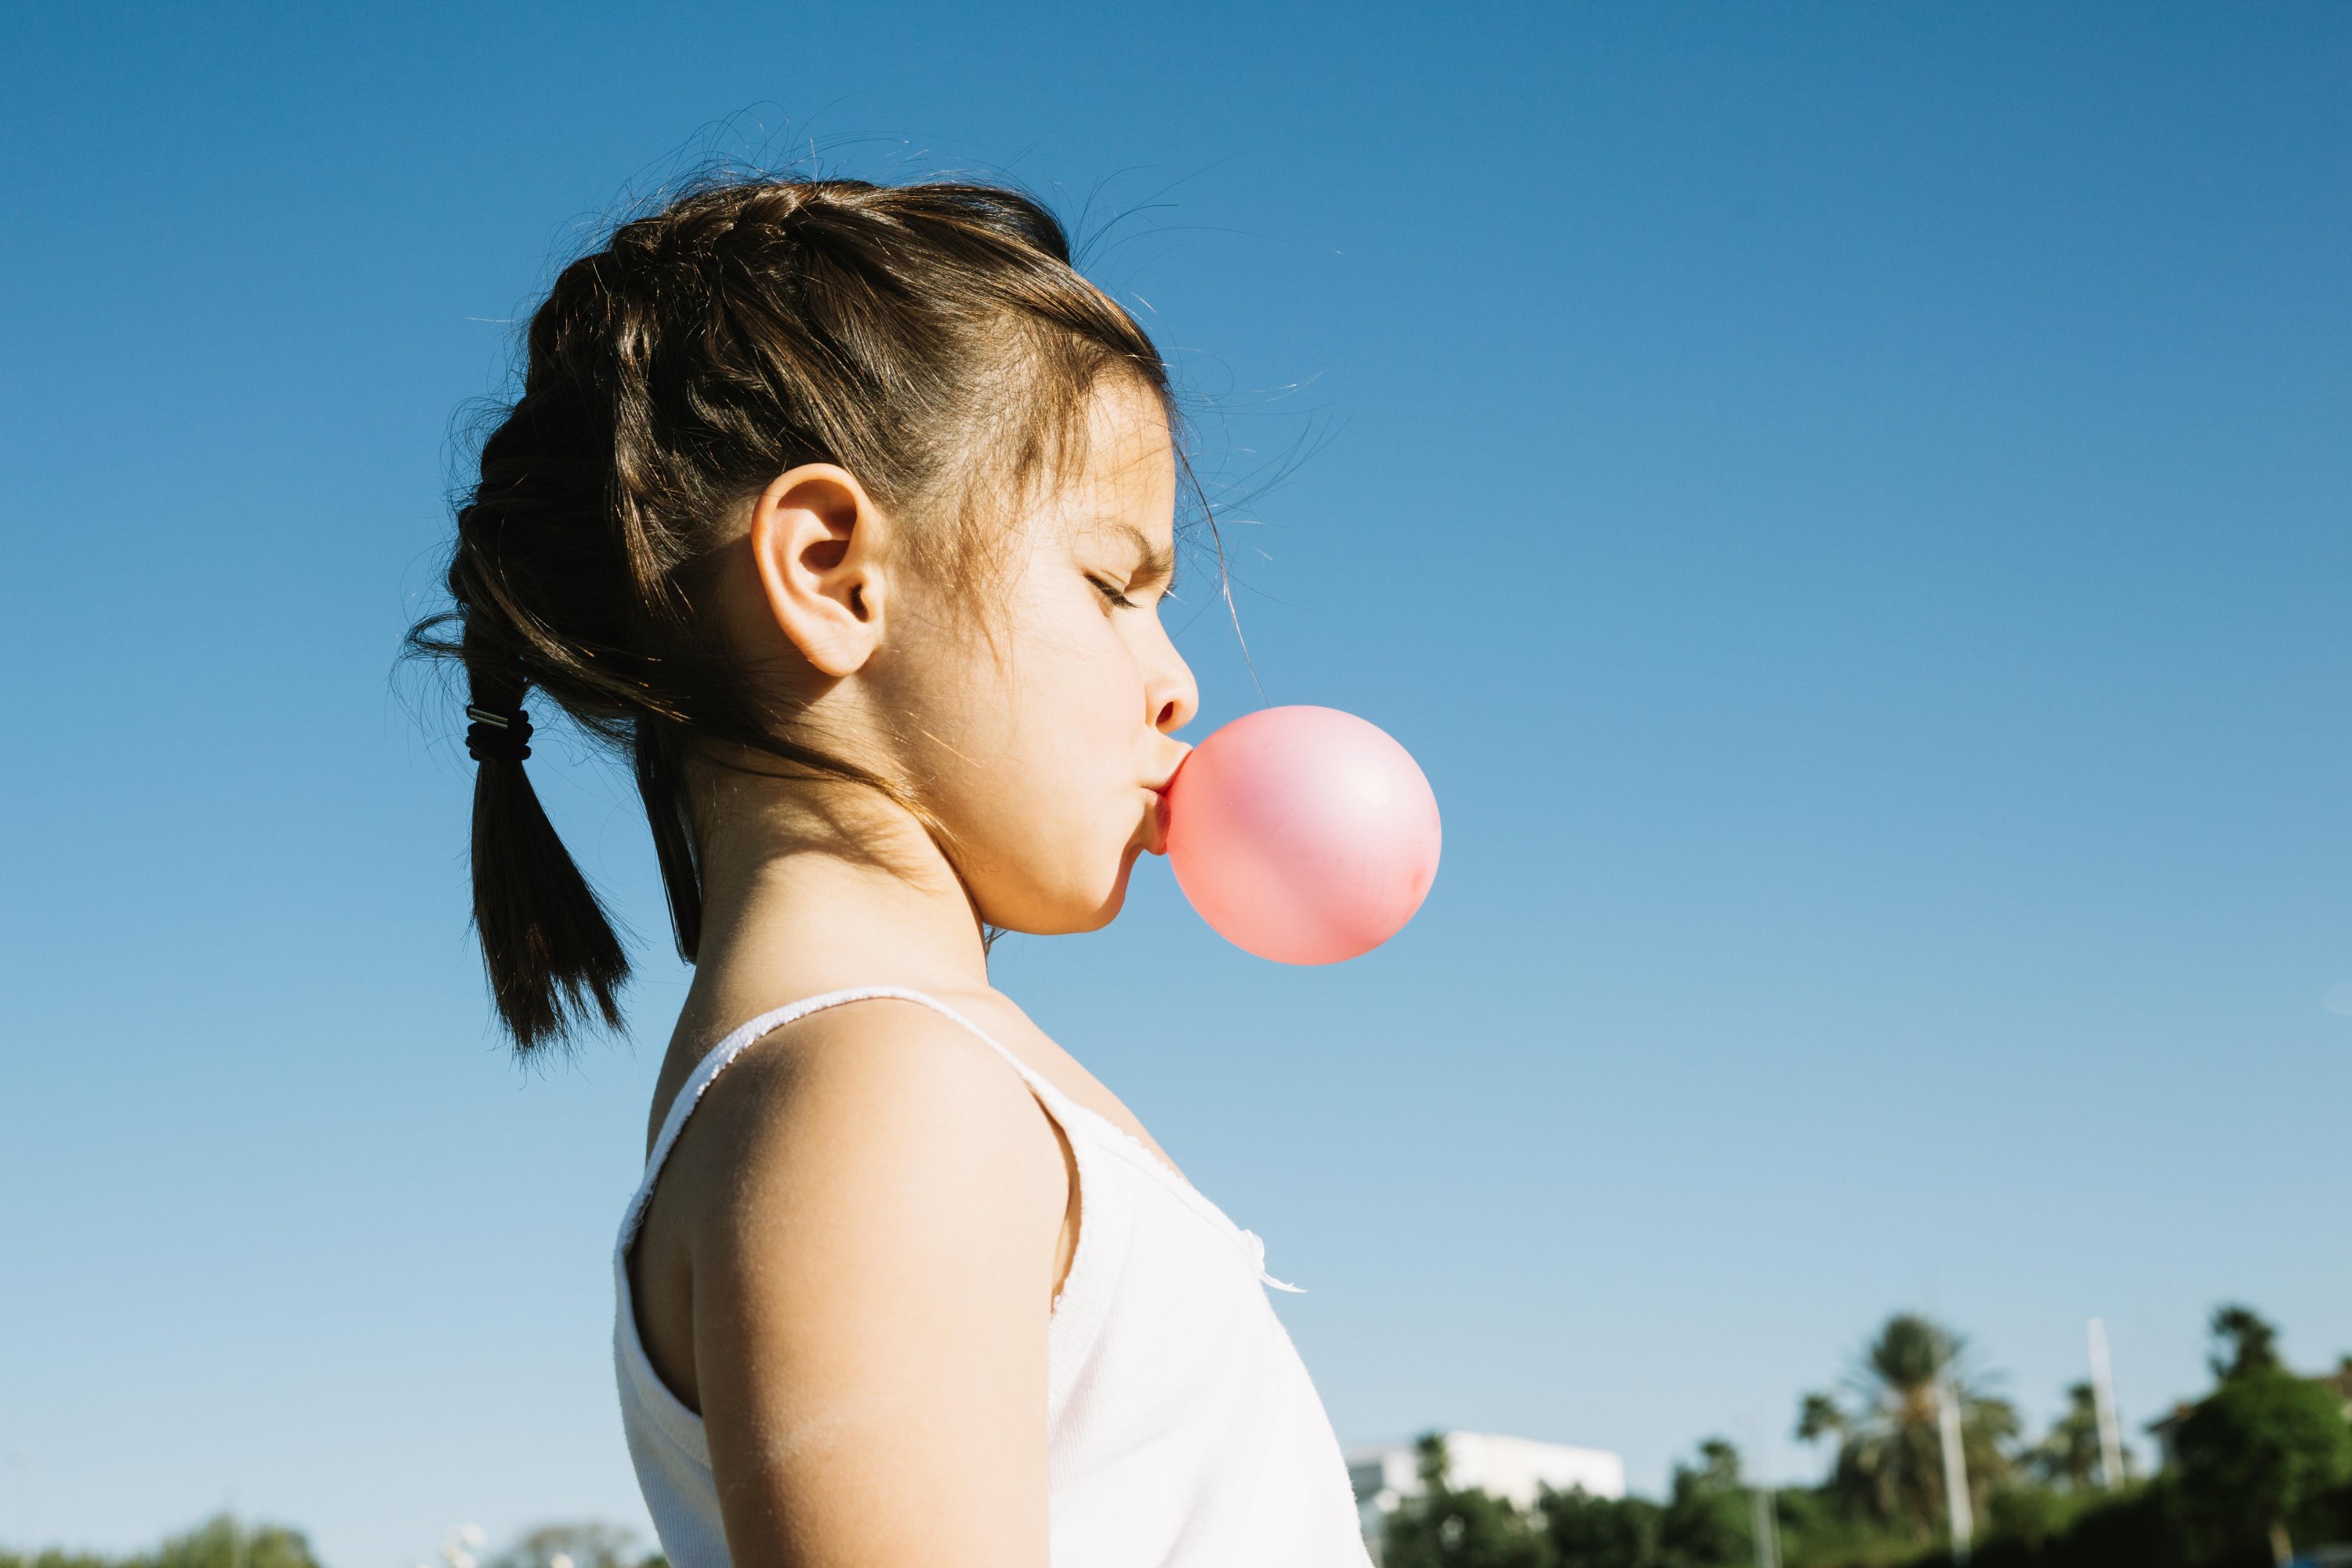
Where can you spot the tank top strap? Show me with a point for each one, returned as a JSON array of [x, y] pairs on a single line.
[[1062, 1105], [706, 1071]]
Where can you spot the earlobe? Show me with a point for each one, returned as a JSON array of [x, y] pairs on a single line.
[[816, 538]]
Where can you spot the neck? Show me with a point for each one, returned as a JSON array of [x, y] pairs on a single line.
[[811, 888]]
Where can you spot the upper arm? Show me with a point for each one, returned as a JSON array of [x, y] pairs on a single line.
[[873, 1266]]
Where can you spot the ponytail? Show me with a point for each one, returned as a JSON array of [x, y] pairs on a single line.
[[547, 942]]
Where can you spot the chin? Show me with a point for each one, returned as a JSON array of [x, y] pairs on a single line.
[[1093, 913], [1072, 911], [1108, 910]]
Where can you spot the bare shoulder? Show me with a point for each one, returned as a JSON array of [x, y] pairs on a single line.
[[871, 1087], [868, 1146], [1003, 1018]]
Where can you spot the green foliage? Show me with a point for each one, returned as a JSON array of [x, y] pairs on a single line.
[[1820, 1528], [218, 1542], [1443, 1528], [2258, 1450], [2135, 1528], [1707, 1520], [588, 1545], [224, 1542], [2138, 1527], [2069, 1455], [1587, 1531], [1890, 1456], [2247, 1342], [2268, 1452], [2029, 1515], [2265, 1455], [1705, 1523]]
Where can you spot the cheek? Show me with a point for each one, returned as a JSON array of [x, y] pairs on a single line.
[[1072, 724], [1079, 722], [1024, 729]]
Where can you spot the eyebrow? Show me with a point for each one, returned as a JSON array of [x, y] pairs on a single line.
[[1159, 562]]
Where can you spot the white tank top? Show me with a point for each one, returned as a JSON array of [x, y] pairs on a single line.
[[1182, 1430]]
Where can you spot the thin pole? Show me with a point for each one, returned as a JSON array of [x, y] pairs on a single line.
[[1764, 1514], [2103, 1399], [1956, 1470], [1768, 1528]]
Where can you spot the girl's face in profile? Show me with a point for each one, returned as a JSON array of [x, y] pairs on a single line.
[[1044, 754]]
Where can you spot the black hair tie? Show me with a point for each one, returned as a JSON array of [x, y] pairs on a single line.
[[497, 737]]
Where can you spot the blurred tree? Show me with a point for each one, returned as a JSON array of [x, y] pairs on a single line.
[[2027, 1514], [1718, 1464], [1443, 1528], [2245, 1341], [1819, 1528], [2069, 1455], [220, 1541], [2262, 1444], [1708, 1521], [584, 1545], [1890, 1463], [225, 1542], [1588, 1532]]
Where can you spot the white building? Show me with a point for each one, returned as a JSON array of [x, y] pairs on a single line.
[[1514, 1468]]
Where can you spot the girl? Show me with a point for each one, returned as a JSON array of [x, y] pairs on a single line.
[[847, 509]]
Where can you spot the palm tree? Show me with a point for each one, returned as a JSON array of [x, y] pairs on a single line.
[[2069, 1455], [1890, 1459], [2245, 1341]]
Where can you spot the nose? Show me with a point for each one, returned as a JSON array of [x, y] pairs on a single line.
[[1173, 696]]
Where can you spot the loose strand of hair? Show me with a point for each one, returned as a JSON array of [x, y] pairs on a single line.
[[661, 785]]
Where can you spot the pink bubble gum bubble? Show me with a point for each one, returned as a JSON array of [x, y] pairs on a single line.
[[1303, 835]]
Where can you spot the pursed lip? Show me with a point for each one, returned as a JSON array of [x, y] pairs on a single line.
[[1155, 839]]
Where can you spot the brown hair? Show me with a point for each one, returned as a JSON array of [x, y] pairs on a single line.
[[933, 339]]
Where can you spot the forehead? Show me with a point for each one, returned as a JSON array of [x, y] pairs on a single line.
[[1125, 471]]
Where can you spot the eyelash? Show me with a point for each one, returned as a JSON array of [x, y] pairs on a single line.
[[1116, 595]]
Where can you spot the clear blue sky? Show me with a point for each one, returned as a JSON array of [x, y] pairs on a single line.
[[1848, 504]]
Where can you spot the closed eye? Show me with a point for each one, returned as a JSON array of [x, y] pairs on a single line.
[[1114, 595]]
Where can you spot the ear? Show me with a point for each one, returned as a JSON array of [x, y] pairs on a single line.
[[817, 538]]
